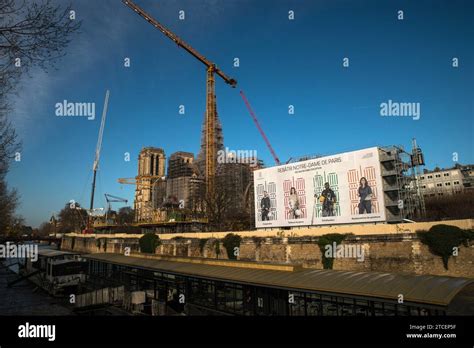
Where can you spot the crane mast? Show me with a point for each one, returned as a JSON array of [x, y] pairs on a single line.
[[98, 148], [211, 115]]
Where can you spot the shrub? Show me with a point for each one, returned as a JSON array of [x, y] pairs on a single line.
[[442, 239], [258, 241], [148, 243], [217, 247], [202, 244], [230, 242], [325, 240]]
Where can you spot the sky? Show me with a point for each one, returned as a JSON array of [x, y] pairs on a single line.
[[283, 62]]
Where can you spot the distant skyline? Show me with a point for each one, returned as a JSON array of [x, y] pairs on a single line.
[[283, 63]]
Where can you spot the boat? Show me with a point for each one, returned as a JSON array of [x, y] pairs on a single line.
[[55, 271]]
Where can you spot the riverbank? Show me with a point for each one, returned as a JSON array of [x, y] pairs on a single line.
[[25, 298]]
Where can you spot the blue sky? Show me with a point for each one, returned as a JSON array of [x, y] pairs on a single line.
[[282, 63]]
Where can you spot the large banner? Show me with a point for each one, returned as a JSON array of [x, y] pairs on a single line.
[[343, 188]]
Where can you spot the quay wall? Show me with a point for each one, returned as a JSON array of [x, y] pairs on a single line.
[[395, 252]]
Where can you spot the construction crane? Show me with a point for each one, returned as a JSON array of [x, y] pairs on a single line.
[[211, 116], [110, 199], [254, 117], [145, 181], [95, 166]]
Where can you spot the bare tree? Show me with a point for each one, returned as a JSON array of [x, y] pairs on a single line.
[[72, 218], [227, 208], [32, 34]]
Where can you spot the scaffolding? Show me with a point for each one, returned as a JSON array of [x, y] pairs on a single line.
[[399, 168]]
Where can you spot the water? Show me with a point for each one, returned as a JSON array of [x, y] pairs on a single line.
[[25, 298]]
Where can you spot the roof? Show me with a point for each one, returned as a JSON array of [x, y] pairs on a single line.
[[435, 290], [53, 253]]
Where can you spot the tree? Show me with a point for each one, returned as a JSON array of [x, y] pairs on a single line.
[[8, 204], [45, 229], [72, 218], [16, 227], [148, 243], [125, 215], [9, 146], [32, 34]]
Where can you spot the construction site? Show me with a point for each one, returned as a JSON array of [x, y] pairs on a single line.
[[184, 192]]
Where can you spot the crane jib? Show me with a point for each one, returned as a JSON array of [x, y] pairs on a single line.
[[179, 41]]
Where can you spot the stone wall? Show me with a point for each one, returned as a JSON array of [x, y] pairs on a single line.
[[401, 253]]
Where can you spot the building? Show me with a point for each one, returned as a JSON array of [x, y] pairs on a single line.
[[151, 171], [449, 181], [181, 164], [183, 182]]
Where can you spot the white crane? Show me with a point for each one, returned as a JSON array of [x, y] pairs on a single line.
[[97, 153]]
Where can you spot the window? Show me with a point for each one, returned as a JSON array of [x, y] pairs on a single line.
[[297, 304], [329, 305], [447, 184], [313, 304], [439, 185], [347, 307], [456, 183], [446, 174], [438, 175], [422, 178], [239, 299], [378, 308], [249, 300], [363, 308], [403, 310], [430, 176]]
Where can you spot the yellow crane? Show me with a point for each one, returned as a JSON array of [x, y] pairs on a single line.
[[211, 118]]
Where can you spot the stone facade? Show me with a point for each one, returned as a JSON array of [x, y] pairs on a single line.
[[402, 253]]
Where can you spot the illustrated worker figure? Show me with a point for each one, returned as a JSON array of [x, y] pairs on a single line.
[[328, 198], [294, 204], [365, 194], [265, 206]]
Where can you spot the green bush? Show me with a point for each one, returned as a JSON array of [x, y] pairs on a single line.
[[230, 242], [217, 248], [442, 239], [258, 241], [148, 243], [202, 244], [325, 240]]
